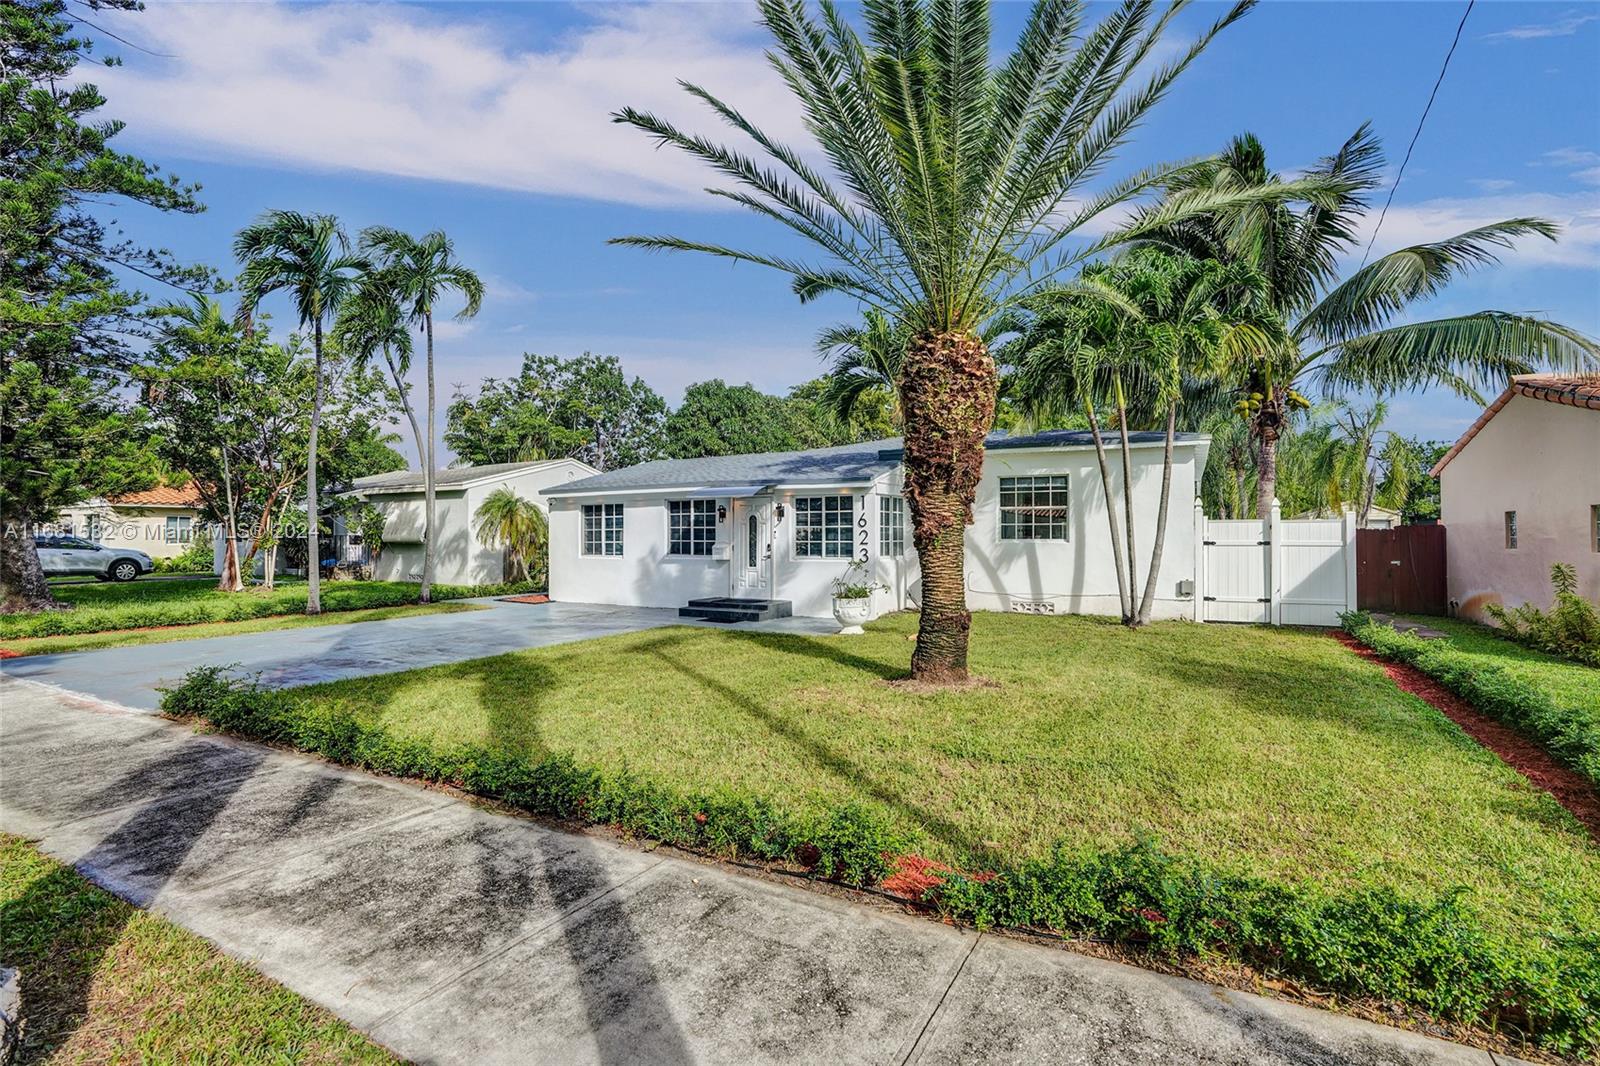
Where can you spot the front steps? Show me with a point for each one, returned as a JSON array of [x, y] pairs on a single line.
[[733, 609]]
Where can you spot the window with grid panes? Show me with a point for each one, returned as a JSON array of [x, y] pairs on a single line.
[[1033, 508], [822, 527], [692, 526], [602, 529]]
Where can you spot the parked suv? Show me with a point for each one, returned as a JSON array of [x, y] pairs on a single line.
[[59, 556]]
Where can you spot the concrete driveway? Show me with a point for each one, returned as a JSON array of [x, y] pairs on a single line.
[[132, 676]]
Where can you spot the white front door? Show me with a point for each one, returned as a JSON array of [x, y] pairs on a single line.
[[752, 551]]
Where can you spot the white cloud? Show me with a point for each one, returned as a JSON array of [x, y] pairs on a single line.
[[1578, 214], [398, 90], [1562, 27], [1568, 157], [1590, 176], [1491, 184]]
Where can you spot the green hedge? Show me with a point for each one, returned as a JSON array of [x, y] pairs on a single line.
[[1572, 739], [1433, 954], [135, 606]]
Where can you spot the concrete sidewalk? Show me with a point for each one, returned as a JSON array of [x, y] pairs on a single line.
[[134, 675], [456, 935]]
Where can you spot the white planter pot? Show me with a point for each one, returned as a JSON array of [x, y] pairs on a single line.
[[852, 614]]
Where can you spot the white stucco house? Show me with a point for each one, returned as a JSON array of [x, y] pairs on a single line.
[[1520, 491], [458, 491], [781, 527]]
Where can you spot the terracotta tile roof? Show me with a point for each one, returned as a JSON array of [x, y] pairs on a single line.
[[1573, 390], [161, 496]]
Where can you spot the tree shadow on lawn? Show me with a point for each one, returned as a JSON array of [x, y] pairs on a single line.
[[826, 649], [958, 840]]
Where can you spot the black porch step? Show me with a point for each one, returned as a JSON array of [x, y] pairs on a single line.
[[734, 609]]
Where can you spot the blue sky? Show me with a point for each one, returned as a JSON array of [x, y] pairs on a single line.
[[489, 121]]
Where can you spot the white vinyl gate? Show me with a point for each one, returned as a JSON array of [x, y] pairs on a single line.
[[1300, 572]]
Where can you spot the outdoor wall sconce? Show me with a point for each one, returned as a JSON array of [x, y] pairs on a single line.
[[780, 512], [722, 513]]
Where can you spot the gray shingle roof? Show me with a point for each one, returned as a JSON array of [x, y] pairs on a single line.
[[845, 464], [451, 477]]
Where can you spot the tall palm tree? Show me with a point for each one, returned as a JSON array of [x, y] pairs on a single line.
[[1146, 335], [419, 271], [370, 324], [307, 256], [864, 358], [957, 188], [515, 523], [1343, 334]]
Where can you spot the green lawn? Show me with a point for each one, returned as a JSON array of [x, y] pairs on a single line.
[[99, 608], [1276, 752], [1572, 685], [119, 638], [103, 981]]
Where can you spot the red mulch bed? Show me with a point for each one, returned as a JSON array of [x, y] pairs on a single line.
[[914, 875], [1570, 788], [7, 653], [531, 597]]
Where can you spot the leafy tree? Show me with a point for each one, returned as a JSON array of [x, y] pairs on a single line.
[[1343, 334], [815, 413], [585, 408], [515, 523], [716, 418], [961, 187], [70, 331], [308, 256], [418, 272], [1422, 502]]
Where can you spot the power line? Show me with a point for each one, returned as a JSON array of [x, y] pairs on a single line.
[[1401, 173]]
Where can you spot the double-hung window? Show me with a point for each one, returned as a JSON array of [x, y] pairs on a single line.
[[692, 526], [822, 527], [602, 529], [891, 526], [180, 529], [1033, 508]]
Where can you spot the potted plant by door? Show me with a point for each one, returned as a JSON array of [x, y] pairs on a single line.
[[852, 598]]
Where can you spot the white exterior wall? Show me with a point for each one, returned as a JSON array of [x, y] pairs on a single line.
[[458, 557], [1541, 460], [1072, 576]]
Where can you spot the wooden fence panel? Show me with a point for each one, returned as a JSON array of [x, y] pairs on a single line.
[[1402, 570]]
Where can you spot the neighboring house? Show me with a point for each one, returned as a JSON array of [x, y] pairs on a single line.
[[783, 526], [161, 522], [1377, 517], [458, 491], [1521, 490]]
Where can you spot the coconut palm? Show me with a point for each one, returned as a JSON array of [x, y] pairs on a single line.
[[956, 186], [307, 256], [515, 523], [419, 272], [1343, 334]]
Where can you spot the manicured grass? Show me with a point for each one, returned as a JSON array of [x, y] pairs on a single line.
[[156, 602], [1571, 685], [118, 638], [1275, 753], [103, 981]]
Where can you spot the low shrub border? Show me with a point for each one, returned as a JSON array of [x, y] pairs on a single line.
[[1493, 691], [336, 596], [1369, 942]]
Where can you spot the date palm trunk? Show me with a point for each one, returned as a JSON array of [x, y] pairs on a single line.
[[425, 594], [947, 389]]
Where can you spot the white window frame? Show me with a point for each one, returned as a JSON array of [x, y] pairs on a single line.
[[1058, 497], [607, 529], [815, 518], [891, 526], [178, 529], [700, 534]]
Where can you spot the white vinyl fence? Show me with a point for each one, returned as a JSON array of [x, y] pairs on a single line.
[[1299, 572]]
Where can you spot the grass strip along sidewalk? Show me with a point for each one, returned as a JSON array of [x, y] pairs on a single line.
[[1285, 787], [103, 981], [1551, 701], [148, 603]]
